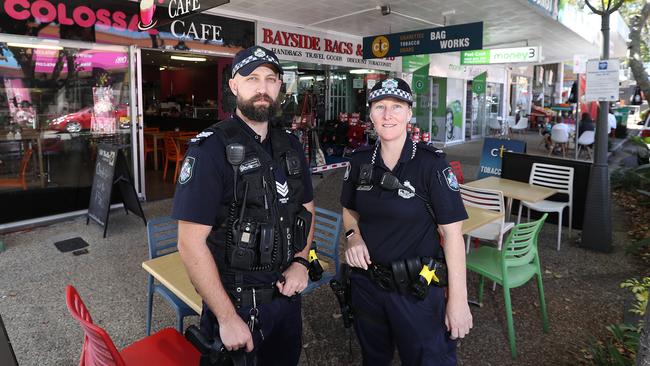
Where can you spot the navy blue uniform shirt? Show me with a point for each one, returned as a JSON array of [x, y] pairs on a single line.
[[200, 197], [396, 224]]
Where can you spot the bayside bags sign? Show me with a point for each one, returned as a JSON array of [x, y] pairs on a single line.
[[295, 44]]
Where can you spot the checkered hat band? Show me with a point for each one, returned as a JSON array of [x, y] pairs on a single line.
[[391, 92], [250, 59]]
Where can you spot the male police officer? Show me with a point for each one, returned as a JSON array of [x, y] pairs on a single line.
[[244, 201]]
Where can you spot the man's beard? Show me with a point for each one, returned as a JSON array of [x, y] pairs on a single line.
[[257, 113]]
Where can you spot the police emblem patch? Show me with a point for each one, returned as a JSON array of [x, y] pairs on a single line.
[[389, 83], [406, 194], [451, 179], [186, 170], [259, 53]]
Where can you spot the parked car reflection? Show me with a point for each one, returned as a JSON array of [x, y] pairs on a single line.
[[81, 120]]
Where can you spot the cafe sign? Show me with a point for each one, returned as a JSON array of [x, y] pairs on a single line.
[[300, 45], [500, 56], [460, 37]]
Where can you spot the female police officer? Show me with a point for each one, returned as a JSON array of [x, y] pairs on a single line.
[[390, 230]]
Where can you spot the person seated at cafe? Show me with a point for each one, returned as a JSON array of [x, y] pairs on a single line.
[[175, 112], [545, 131], [611, 122], [586, 123]]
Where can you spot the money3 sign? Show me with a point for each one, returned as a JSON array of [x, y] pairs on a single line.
[[460, 37]]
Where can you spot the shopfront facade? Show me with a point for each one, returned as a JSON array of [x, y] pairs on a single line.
[[325, 73], [71, 78]]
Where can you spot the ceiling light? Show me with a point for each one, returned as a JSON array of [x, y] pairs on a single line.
[[187, 58], [290, 67], [161, 68], [38, 46]]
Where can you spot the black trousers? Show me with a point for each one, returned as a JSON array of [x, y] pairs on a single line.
[[383, 320], [281, 324]]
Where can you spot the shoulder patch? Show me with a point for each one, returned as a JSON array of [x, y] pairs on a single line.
[[450, 178], [186, 170]]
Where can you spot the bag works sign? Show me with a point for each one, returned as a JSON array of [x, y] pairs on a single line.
[[295, 44]]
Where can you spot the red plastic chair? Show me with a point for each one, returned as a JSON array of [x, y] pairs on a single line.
[[167, 347], [458, 171]]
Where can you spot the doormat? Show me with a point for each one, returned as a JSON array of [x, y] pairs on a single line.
[[69, 245]]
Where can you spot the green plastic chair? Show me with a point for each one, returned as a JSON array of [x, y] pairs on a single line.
[[512, 267]]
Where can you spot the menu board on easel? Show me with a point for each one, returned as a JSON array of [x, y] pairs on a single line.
[[111, 170]]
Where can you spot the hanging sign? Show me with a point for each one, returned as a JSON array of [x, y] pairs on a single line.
[[298, 44], [461, 37]]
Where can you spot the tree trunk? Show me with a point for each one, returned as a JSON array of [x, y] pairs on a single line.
[[637, 23], [643, 354]]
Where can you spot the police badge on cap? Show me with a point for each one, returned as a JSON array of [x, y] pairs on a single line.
[[391, 88], [251, 58]]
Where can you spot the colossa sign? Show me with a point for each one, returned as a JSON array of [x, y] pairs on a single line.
[[84, 16]]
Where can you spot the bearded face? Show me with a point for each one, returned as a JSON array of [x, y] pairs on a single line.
[[258, 108]]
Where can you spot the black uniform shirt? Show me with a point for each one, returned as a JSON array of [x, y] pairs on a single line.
[[396, 224], [207, 185]]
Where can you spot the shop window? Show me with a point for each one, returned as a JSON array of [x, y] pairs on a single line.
[[56, 105]]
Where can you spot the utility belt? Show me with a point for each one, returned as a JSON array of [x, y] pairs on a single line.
[[252, 296], [411, 276]]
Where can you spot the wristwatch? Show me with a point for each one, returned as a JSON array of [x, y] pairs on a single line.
[[349, 233], [300, 260]]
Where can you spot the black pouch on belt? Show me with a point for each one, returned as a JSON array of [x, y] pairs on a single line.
[[301, 227], [401, 276]]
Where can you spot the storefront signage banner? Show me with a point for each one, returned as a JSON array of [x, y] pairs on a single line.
[[296, 44], [492, 155], [602, 80], [121, 23], [461, 37], [500, 56], [448, 66]]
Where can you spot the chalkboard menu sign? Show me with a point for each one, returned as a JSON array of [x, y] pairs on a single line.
[[111, 170]]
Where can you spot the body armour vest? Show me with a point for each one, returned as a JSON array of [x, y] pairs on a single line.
[[266, 223]]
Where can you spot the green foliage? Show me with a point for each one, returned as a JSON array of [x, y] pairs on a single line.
[[631, 178], [621, 344], [640, 290]]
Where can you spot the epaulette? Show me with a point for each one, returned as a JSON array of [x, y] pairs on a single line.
[[202, 136], [430, 148]]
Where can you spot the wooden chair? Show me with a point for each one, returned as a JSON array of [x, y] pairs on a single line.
[[162, 236], [165, 348], [172, 153], [20, 181]]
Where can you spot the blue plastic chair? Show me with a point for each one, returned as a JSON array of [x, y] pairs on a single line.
[[162, 235], [326, 236]]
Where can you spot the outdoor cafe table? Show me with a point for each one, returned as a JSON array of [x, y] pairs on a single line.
[[513, 189], [169, 270]]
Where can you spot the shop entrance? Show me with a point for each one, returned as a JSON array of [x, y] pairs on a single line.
[[181, 94]]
